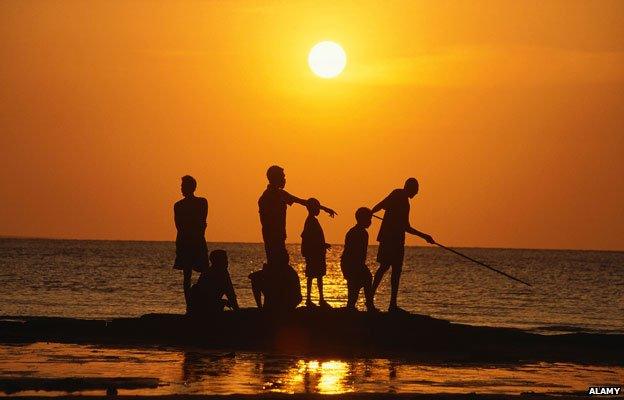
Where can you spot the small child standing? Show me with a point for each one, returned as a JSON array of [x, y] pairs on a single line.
[[314, 249], [353, 261]]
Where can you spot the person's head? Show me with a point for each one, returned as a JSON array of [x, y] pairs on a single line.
[[276, 176], [188, 186], [313, 206], [219, 259], [411, 186], [364, 216]]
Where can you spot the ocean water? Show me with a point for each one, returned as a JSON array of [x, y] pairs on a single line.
[[572, 290], [200, 371]]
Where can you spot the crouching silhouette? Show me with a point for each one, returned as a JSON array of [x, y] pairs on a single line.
[[213, 284], [279, 285], [353, 261]]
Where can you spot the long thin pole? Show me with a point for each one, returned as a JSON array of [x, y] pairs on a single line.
[[473, 260], [482, 264]]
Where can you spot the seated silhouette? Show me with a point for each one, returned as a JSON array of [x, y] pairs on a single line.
[[353, 261], [213, 283]]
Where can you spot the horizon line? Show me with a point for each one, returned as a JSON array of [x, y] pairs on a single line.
[[299, 243]]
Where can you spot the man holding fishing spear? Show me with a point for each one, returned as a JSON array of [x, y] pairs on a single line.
[[391, 237]]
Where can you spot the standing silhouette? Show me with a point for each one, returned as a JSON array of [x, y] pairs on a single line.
[[272, 208], [314, 250], [391, 236], [190, 215]]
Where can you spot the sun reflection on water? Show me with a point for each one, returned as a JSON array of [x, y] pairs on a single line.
[[319, 377]]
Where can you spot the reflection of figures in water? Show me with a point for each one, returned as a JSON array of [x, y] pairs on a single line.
[[393, 366], [198, 366], [392, 369], [190, 215], [276, 371], [192, 366], [324, 376]]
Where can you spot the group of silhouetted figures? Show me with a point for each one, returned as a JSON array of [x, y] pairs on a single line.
[[276, 286]]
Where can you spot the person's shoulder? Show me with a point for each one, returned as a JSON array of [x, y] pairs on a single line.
[[289, 198], [397, 195], [352, 231], [179, 203], [263, 196], [356, 231], [265, 193]]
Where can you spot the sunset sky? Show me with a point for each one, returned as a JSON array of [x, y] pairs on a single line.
[[510, 114]]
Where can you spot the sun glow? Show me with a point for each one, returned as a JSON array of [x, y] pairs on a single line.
[[327, 59]]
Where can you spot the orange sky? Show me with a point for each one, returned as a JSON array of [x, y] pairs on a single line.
[[510, 114]]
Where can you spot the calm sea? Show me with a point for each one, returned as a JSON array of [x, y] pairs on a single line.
[[572, 290]]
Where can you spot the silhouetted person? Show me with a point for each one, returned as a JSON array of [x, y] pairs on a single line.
[[272, 208], [353, 261], [279, 285], [213, 283], [391, 236], [313, 250], [190, 215], [258, 285]]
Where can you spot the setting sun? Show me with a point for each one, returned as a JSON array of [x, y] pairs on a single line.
[[327, 59]]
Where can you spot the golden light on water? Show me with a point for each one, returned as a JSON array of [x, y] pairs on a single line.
[[326, 377], [248, 373]]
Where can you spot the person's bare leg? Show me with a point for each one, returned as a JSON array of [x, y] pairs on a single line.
[[395, 278], [309, 291], [379, 276], [322, 302], [256, 289], [352, 294], [188, 273], [368, 292]]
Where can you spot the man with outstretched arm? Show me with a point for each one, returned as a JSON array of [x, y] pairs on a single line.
[[277, 281], [272, 208], [391, 236]]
